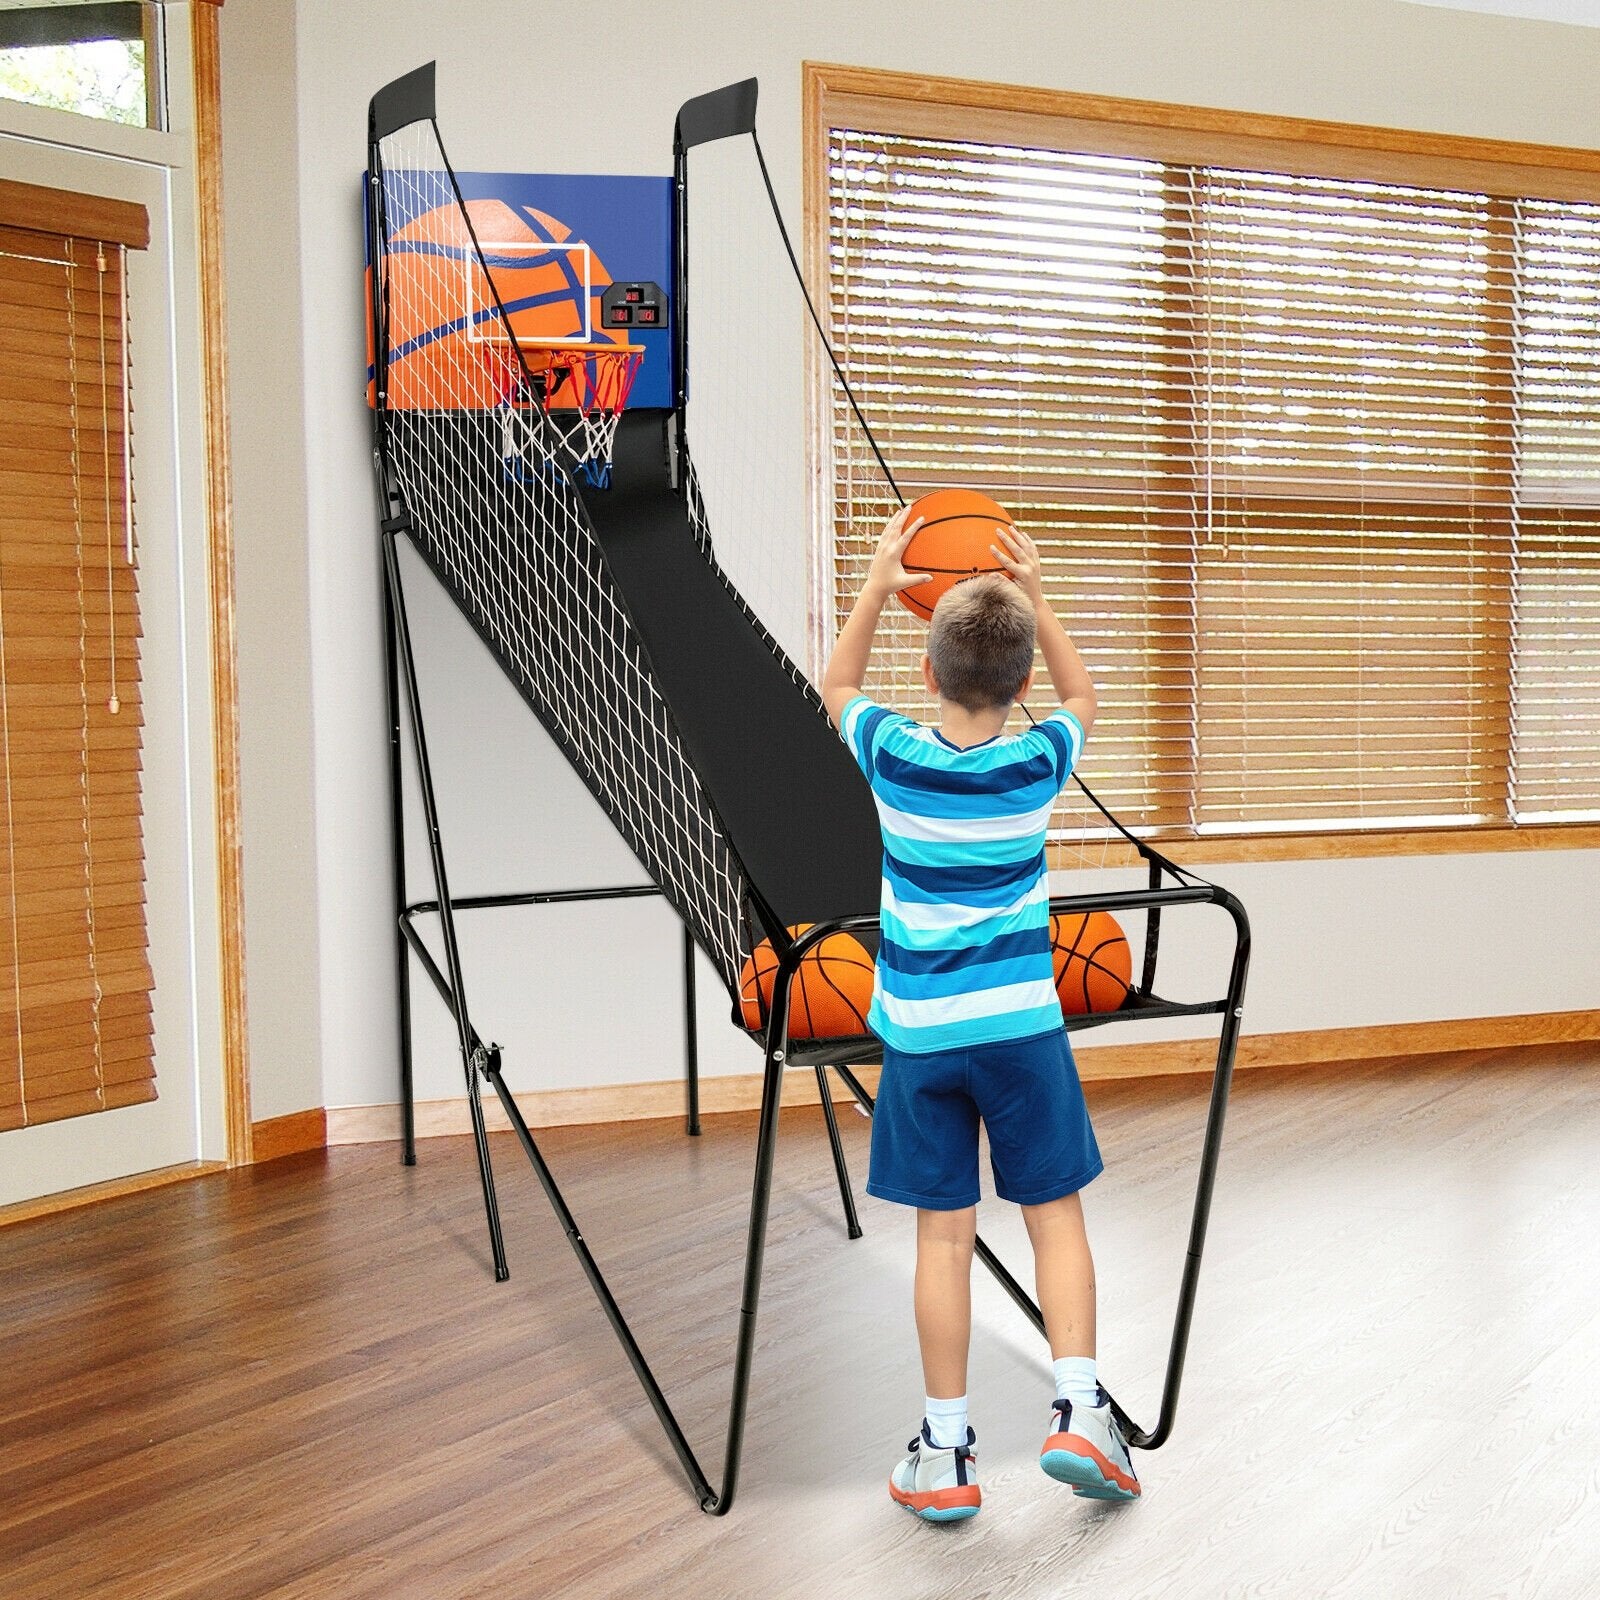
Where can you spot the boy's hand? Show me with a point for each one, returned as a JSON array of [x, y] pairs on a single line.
[[1019, 555], [887, 574]]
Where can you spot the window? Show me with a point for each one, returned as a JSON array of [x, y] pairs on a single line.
[[96, 60], [74, 969], [1314, 454]]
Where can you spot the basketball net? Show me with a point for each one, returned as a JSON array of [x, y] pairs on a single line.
[[580, 388]]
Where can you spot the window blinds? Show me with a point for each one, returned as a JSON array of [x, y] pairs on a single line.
[[1312, 460], [75, 980], [1556, 596]]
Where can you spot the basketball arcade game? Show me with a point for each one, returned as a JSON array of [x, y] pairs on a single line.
[[580, 553]]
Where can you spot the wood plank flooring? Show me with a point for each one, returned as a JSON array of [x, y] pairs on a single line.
[[300, 1381]]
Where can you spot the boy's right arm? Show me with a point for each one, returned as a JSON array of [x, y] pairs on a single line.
[[1074, 688], [887, 576]]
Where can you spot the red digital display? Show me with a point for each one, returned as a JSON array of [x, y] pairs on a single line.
[[649, 313], [633, 295]]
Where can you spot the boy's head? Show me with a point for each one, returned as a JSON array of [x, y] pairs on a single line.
[[980, 643]]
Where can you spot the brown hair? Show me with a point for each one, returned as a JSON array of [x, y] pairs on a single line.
[[981, 642]]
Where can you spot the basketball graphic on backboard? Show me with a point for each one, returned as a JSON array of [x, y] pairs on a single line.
[[552, 245]]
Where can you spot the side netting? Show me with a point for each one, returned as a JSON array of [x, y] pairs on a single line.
[[491, 510]]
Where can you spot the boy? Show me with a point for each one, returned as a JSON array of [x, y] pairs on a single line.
[[964, 999]]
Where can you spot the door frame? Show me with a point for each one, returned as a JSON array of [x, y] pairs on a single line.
[[190, 147]]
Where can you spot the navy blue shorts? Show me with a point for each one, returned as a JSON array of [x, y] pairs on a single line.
[[1027, 1095]]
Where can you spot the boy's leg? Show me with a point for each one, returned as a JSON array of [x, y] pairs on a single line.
[[944, 1298], [1044, 1152], [937, 1479], [1063, 1275], [925, 1154], [1085, 1447]]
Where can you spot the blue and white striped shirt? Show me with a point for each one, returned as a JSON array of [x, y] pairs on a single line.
[[965, 954]]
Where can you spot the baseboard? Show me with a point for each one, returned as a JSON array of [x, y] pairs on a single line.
[[562, 1108], [553, 1108], [290, 1135], [113, 1189], [1321, 1045]]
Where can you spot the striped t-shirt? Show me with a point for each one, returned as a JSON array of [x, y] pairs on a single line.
[[965, 953]]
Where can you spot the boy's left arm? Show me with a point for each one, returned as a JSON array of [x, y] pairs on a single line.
[[887, 576]]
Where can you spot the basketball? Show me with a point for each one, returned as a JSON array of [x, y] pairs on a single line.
[[831, 993], [1094, 966], [958, 527]]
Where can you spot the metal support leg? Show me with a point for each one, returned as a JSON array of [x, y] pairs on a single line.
[[1210, 1152], [472, 1053], [756, 1238], [851, 1221], [715, 1502], [691, 1033], [397, 848]]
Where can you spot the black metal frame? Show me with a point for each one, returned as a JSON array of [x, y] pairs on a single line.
[[484, 1060], [411, 99]]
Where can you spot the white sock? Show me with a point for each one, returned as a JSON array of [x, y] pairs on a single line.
[[1076, 1381], [947, 1421]]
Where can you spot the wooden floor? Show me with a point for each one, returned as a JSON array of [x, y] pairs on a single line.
[[301, 1381]]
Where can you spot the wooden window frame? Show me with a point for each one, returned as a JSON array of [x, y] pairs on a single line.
[[876, 101]]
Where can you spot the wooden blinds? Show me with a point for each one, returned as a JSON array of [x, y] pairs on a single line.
[[75, 978], [1316, 464]]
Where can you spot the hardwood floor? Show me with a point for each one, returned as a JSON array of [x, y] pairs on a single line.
[[300, 1381]]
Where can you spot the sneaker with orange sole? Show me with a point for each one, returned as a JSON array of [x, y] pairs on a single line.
[[1086, 1449], [937, 1485]]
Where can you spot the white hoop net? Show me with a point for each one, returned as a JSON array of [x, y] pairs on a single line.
[[581, 389]]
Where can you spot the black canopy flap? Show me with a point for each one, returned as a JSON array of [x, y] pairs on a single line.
[[718, 115], [397, 105]]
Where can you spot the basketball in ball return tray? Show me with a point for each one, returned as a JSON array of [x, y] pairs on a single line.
[[831, 993], [1093, 964]]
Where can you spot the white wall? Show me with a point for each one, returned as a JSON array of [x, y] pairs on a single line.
[[587, 996]]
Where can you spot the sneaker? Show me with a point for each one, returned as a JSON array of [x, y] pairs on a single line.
[[1087, 1450], [938, 1485]]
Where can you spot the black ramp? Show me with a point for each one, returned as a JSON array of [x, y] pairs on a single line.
[[795, 806]]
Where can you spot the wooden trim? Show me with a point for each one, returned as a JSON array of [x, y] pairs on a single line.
[[1361, 844], [288, 1136], [47, 1205], [36, 209], [205, 24], [964, 108], [639, 1102]]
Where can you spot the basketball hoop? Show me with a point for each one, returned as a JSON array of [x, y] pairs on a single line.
[[581, 388]]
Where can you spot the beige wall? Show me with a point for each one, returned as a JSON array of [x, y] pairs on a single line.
[[1338, 943], [267, 410]]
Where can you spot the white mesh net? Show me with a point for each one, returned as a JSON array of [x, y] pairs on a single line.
[[744, 414], [506, 534]]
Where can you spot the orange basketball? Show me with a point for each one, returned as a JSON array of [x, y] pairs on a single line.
[[1094, 966], [831, 994], [958, 527]]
